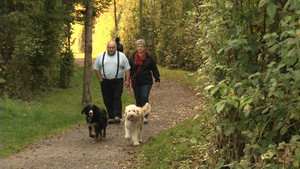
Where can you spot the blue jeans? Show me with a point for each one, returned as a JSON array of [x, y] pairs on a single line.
[[141, 94]]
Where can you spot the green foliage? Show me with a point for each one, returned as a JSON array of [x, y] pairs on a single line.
[[253, 65], [247, 53], [168, 28], [24, 122], [33, 38]]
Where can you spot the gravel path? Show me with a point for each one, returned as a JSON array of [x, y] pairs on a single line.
[[73, 149]]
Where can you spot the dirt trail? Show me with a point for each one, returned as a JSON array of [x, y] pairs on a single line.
[[73, 149]]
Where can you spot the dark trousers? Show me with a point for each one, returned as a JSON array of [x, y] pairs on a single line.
[[141, 94], [112, 92]]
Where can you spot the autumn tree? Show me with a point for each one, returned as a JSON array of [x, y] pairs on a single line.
[[92, 9]]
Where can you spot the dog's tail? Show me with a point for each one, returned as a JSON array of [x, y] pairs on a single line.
[[147, 108]]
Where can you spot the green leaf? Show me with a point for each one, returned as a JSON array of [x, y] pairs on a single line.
[[271, 64], [223, 91], [229, 130], [234, 103], [266, 110], [297, 75], [220, 164], [274, 48], [297, 152], [220, 107], [295, 138], [283, 130], [247, 109], [214, 90], [254, 75], [208, 87], [262, 3], [292, 53], [271, 10], [279, 125], [270, 21]]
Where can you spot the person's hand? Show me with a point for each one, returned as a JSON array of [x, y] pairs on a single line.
[[126, 84], [157, 84]]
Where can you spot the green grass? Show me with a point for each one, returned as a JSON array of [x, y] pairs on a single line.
[[179, 76], [179, 147], [24, 122]]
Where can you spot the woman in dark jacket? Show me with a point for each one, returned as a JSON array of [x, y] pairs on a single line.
[[142, 68]]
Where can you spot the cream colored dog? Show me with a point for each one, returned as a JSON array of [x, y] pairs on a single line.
[[134, 120]]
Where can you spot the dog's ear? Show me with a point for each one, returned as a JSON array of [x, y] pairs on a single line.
[[83, 110], [125, 112]]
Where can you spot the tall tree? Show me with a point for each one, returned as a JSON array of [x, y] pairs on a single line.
[[93, 8], [87, 98], [141, 16], [115, 13]]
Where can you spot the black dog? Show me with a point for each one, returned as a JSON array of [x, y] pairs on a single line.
[[96, 119]]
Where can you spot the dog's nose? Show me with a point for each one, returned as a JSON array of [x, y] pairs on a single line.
[[131, 116], [90, 113]]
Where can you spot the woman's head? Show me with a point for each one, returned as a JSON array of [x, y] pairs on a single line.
[[141, 42], [141, 46]]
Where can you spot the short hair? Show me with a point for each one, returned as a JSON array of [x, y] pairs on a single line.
[[141, 42]]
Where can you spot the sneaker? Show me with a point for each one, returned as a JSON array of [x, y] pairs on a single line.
[[111, 121], [117, 120], [146, 119]]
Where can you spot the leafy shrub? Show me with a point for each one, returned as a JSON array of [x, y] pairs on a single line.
[[253, 64]]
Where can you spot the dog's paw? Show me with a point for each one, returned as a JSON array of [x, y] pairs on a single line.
[[136, 143], [127, 137], [92, 136]]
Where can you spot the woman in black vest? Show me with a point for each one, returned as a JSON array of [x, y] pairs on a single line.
[[143, 69]]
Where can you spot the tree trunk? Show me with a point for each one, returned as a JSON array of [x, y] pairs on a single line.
[[87, 98], [115, 12], [141, 16]]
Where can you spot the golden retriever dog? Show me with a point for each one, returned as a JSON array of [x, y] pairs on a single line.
[[134, 120]]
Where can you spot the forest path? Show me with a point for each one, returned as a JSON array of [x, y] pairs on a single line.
[[72, 149]]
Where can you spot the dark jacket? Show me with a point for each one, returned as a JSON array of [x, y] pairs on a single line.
[[119, 47], [144, 75]]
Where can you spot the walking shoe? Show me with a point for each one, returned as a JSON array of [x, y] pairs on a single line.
[[146, 119], [117, 120], [111, 121]]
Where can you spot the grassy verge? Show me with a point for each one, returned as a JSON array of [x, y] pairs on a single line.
[[178, 147], [24, 122], [183, 77]]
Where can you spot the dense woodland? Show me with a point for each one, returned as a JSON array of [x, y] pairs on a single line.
[[245, 52]]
